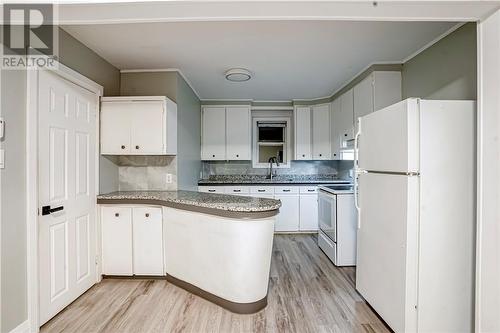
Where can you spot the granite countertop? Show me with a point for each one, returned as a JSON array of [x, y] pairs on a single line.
[[279, 179], [176, 199]]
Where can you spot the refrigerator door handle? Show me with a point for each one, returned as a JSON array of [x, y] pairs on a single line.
[[357, 172]]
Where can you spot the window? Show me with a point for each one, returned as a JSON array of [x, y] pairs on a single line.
[[271, 139]]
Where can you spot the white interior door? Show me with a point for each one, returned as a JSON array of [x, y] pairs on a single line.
[[386, 272], [66, 173]]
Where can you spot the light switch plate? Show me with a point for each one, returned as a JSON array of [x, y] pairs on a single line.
[[168, 178]]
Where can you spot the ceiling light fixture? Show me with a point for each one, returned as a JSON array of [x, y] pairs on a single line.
[[238, 75]]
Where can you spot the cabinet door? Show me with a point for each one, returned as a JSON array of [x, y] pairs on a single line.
[[148, 128], [148, 242], [116, 226], [336, 129], [213, 141], [115, 128], [309, 212], [238, 129], [363, 98], [303, 133], [347, 119], [321, 148], [288, 217]]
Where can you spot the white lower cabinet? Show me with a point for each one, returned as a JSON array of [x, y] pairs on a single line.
[[147, 241], [132, 240], [288, 218], [299, 209], [308, 212], [116, 226]]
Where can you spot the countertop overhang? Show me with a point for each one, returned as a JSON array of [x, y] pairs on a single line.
[[224, 205]]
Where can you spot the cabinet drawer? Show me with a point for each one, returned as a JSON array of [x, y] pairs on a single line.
[[262, 190], [211, 189], [237, 190], [329, 247], [116, 226], [308, 189], [286, 189]]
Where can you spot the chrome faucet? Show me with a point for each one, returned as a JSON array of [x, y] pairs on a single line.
[[272, 160]]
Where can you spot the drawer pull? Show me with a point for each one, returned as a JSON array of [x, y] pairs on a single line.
[[320, 155], [117, 214], [286, 190], [237, 155], [123, 147], [310, 190], [213, 155], [261, 190], [147, 214], [236, 190], [211, 190], [136, 147]]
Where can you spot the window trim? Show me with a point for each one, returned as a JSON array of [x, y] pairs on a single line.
[[287, 150]]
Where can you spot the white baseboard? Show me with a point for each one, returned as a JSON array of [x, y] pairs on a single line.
[[24, 327]]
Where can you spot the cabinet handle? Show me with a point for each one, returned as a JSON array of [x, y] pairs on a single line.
[[147, 214], [236, 190], [286, 190], [136, 147], [117, 214], [320, 155], [213, 155], [310, 190], [303, 155], [334, 154], [261, 190], [345, 134], [211, 190], [123, 147], [237, 155]]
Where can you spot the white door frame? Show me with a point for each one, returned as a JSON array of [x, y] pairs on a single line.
[[32, 178]]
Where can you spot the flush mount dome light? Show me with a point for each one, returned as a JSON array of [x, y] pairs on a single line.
[[238, 75]]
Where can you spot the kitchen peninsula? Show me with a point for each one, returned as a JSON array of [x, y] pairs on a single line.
[[205, 243]]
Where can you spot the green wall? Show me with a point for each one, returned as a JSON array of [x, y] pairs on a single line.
[[446, 70], [149, 84]]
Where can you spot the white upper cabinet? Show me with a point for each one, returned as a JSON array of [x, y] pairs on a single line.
[[226, 133], [346, 120], [238, 129], [213, 133], [336, 129], [139, 125], [378, 90], [321, 146], [302, 122]]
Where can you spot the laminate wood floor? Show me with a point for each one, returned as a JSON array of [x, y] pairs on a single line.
[[307, 293]]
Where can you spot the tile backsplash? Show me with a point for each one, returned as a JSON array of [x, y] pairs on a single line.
[[339, 168], [146, 173]]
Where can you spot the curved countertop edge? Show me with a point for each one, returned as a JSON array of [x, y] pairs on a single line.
[[193, 208]]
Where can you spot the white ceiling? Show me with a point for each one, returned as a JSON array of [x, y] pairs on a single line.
[[289, 59]]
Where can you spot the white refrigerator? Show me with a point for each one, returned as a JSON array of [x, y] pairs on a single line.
[[415, 163]]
